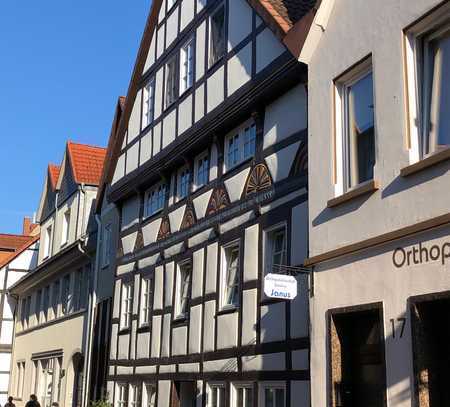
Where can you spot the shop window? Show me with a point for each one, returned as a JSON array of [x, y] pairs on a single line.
[[355, 126], [357, 359], [431, 353]]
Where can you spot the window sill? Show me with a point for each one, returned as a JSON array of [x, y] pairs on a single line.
[[425, 163], [368, 187], [227, 310]]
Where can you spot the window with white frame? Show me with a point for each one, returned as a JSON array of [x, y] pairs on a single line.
[[47, 242], [355, 126], [146, 300], [216, 395], [20, 374], [273, 395], [201, 170], [133, 397], [155, 199], [230, 276], [242, 395], [148, 107], [187, 66], [106, 248], [149, 397], [127, 305], [65, 227], [217, 35], [183, 182], [183, 288], [121, 395], [275, 249], [240, 145], [171, 81], [48, 380], [66, 295], [428, 74]]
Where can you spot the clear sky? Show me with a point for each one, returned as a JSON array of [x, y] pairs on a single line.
[[63, 63]]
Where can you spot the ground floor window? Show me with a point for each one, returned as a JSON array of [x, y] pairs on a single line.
[[431, 351], [357, 358], [48, 380], [121, 395]]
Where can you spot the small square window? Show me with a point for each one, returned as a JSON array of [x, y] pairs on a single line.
[[355, 126], [201, 176], [240, 145], [217, 35], [183, 290], [183, 183], [155, 199], [148, 107], [171, 82], [230, 278], [187, 66]]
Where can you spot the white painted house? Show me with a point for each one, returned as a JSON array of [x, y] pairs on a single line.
[[210, 178]]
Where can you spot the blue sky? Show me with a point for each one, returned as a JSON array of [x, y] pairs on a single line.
[[63, 65]]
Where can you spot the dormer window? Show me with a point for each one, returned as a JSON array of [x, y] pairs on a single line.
[[217, 35], [155, 199]]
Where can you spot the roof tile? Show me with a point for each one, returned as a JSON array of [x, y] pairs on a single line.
[[87, 162]]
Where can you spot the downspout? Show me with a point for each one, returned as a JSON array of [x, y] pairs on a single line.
[[90, 318]]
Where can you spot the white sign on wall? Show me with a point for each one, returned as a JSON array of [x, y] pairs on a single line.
[[280, 286]]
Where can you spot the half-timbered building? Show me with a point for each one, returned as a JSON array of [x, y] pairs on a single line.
[[209, 176]]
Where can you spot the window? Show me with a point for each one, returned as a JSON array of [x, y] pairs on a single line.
[[276, 254], [46, 384], [148, 106], [230, 276], [201, 174], [187, 66], [106, 248], [28, 310], [127, 305], [66, 297], [146, 300], [242, 395], [170, 4], [121, 399], [38, 306], [134, 396], [171, 81], [55, 298], [65, 228], [428, 60], [273, 395], [149, 399], [183, 183], [240, 145], [184, 394], [216, 395], [81, 289], [155, 199], [217, 35], [46, 302], [47, 242], [23, 312], [20, 374], [355, 125], [183, 288]]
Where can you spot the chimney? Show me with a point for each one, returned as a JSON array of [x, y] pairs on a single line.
[[26, 226]]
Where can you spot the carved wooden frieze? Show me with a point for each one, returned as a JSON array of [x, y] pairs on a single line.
[[258, 180], [164, 229], [189, 218], [139, 241], [219, 200]]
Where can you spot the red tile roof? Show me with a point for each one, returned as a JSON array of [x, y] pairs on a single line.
[[25, 243], [12, 242], [53, 171], [87, 162]]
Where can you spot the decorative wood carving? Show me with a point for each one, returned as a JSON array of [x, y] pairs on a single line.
[[139, 241], [189, 218], [164, 229], [258, 180], [300, 165], [219, 200]]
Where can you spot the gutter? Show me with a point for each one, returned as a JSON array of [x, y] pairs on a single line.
[[90, 319]]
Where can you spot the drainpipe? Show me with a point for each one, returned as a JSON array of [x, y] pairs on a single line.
[[90, 319]]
